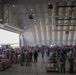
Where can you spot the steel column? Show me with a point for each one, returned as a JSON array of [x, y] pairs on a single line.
[[6, 13]]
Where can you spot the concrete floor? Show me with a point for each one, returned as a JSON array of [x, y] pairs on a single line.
[[34, 69]]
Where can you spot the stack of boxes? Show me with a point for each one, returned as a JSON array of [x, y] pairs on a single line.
[[5, 63]]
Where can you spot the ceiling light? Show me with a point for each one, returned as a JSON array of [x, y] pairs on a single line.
[[51, 45], [13, 5], [31, 9], [35, 20], [0, 19], [48, 3], [33, 14]]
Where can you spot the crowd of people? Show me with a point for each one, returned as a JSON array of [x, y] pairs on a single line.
[[30, 54]]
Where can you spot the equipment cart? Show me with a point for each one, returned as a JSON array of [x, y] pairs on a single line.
[[52, 65]]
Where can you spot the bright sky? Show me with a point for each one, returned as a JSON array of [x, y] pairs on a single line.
[[7, 37]]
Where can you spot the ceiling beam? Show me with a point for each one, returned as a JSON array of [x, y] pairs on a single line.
[[65, 30], [67, 19], [65, 25], [45, 12], [13, 28], [35, 1], [47, 16], [66, 6]]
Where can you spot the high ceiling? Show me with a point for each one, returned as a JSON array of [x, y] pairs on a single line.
[[48, 26]]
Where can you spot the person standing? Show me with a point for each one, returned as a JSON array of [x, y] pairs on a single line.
[[28, 58], [62, 63], [7, 54], [71, 62], [35, 56], [22, 56], [16, 57], [11, 56], [42, 52]]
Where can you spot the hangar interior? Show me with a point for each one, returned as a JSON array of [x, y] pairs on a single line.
[[40, 22]]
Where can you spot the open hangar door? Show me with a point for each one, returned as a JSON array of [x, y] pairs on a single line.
[[10, 33], [8, 39]]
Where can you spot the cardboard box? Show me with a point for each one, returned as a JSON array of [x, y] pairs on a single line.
[[2, 66], [7, 62], [75, 63]]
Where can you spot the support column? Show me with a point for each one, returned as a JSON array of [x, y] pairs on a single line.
[[6, 13], [1, 12], [34, 35], [21, 40]]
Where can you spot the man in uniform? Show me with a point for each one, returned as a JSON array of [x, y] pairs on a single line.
[[71, 61], [62, 62]]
